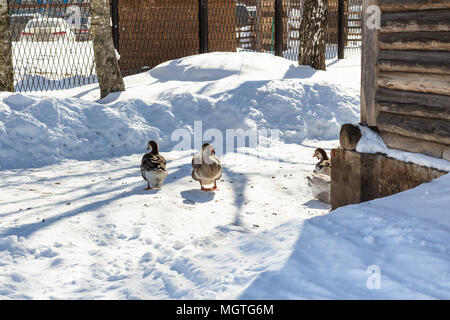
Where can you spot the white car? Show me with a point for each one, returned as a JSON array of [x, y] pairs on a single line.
[[47, 29]]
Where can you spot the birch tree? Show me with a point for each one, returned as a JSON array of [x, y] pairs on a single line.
[[312, 34], [6, 64], [108, 72]]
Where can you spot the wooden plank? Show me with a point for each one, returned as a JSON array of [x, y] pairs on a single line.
[[417, 82], [437, 41], [441, 57], [413, 5], [416, 21], [409, 66], [434, 130], [436, 112], [396, 141], [424, 99], [369, 54]]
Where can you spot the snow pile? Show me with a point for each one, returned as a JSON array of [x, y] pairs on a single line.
[[403, 239], [224, 90], [371, 142]]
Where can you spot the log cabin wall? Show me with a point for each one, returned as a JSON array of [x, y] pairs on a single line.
[[406, 75]]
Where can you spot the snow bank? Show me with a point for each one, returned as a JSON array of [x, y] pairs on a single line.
[[405, 237], [224, 90], [371, 142]]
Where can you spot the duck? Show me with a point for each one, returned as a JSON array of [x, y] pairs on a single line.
[[206, 168], [320, 186], [153, 166], [320, 179], [324, 164]]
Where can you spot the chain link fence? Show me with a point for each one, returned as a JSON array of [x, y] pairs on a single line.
[[52, 47]]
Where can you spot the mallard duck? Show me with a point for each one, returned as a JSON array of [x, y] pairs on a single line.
[[320, 185], [206, 168], [153, 166], [324, 164]]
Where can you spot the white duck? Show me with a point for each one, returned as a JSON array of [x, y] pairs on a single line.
[[320, 179]]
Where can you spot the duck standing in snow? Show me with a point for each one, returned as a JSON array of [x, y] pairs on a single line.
[[206, 168], [324, 164], [320, 179], [153, 166]]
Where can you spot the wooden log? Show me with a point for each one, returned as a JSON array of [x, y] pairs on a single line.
[[396, 141], [437, 41], [416, 21], [436, 112], [349, 136], [417, 82], [439, 57], [434, 130], [424, 99], [413, 5], [410, 66]]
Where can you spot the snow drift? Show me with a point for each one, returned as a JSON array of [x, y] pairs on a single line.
[[224, 90]]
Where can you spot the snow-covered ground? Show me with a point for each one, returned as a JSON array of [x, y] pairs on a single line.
[[76, 224]]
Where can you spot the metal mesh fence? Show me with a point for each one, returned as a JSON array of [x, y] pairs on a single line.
[[52, 47], [154, 31]]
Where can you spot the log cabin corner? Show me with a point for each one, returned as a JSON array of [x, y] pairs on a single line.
[[405, 97]]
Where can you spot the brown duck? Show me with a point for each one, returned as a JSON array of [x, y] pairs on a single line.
[[153, 166], [206, 168], [324, 164]]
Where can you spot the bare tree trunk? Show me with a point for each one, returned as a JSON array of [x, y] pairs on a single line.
[[108, 72], [6, 64], [312, 34]]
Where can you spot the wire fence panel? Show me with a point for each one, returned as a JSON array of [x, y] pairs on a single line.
[[52, 47], [155, 31], [221, 25], [354, 35]]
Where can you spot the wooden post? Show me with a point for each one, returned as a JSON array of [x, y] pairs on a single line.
[[369, 53], [108, 72], [6, 63], [203, 25], [279, 28]]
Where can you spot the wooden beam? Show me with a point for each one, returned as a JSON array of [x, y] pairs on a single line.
[[416, 21], [437, 112], [436, 41], [417, 82], [434, 130], [424, 99], [409, 66], [396, 141], [413, 5], [368, 66]]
